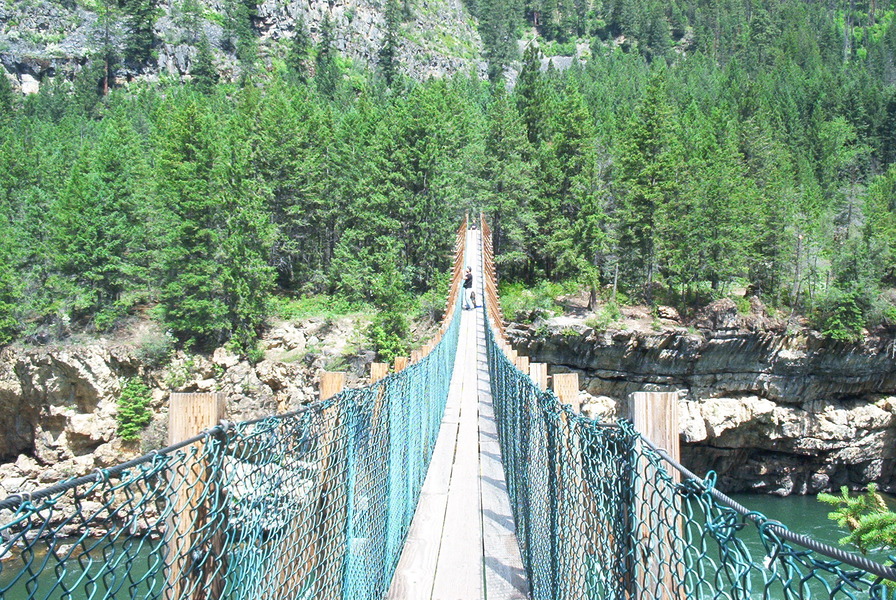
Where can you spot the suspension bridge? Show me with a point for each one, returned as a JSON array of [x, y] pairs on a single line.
[[457, 473]]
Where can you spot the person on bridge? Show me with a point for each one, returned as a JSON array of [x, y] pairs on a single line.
[[469, 299]]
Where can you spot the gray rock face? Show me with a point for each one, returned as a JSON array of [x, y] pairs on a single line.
[[42, 39], [58, 406], [768, 412]]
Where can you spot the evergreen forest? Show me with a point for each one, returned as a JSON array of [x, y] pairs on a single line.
[[699, 146]]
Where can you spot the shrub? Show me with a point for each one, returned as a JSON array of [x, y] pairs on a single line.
[[293, 309], [845, 318], [604, 317], [255, 354], [743, 305], [388, 334], [133, 409], [154, 350]]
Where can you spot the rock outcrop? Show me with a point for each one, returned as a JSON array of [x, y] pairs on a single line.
[[769, 412], [42, 39], [58, 404]]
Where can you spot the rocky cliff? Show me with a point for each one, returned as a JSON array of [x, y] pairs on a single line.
[[58, 404], [770, 412], [40, 39]]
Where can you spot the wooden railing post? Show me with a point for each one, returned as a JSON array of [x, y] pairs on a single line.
[[378, 371], [401, 363], [332, 508], [655, 416], [539, 374], [196, 492], [566, 386]]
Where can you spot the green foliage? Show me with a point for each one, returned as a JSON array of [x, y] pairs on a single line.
[[133, 409], [6, 98], [526, 303], [604, 317], [140, 17], [389, 334], [320, 306], [743, 304], [299, 51], [255, 354], [327, 73], [155, 349], [203, 70], [845, 317], [388, 54], [871, 525]]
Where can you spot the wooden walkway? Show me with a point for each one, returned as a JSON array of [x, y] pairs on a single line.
[[462, 543]]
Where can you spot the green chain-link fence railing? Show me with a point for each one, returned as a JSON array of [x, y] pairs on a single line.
[[601, 514], [311, 504]]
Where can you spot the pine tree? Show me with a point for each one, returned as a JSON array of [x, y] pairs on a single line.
[[299, 51], [497, 27], [10, 288], [205, 75], [107, 36], [871, 525], [388, 54], [648, 179], [327, 74], [509, 182], [140, 40], [531, 93], [215, 279], [7, 97]]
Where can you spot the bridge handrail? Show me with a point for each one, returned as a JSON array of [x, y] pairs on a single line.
[[597, 504], [839, 554], [313, 502]]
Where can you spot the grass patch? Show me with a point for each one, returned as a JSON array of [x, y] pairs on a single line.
[[326, 307]]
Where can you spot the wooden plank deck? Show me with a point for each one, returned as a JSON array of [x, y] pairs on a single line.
[[462, 543]]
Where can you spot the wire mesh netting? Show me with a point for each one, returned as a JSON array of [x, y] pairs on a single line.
[[601, 513], [310, 504]]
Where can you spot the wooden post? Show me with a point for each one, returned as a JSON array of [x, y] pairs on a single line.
[[415, 356], [378, 371], [331, 383], [655, 417], [570, 475], [539, 374], [332, 505], [195, 493], [522, 363], [401, 363], [566, 386]]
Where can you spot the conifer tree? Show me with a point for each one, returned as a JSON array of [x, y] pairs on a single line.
[[648, 180], [7, 96], [388, 54], [497, 27], [299, 51], [509, 182], [205, 75], [140, 40], [327, 74]]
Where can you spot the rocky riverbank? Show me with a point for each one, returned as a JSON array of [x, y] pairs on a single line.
[[770, 412]]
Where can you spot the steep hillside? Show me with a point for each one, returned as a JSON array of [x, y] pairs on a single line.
[[43, 38]]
